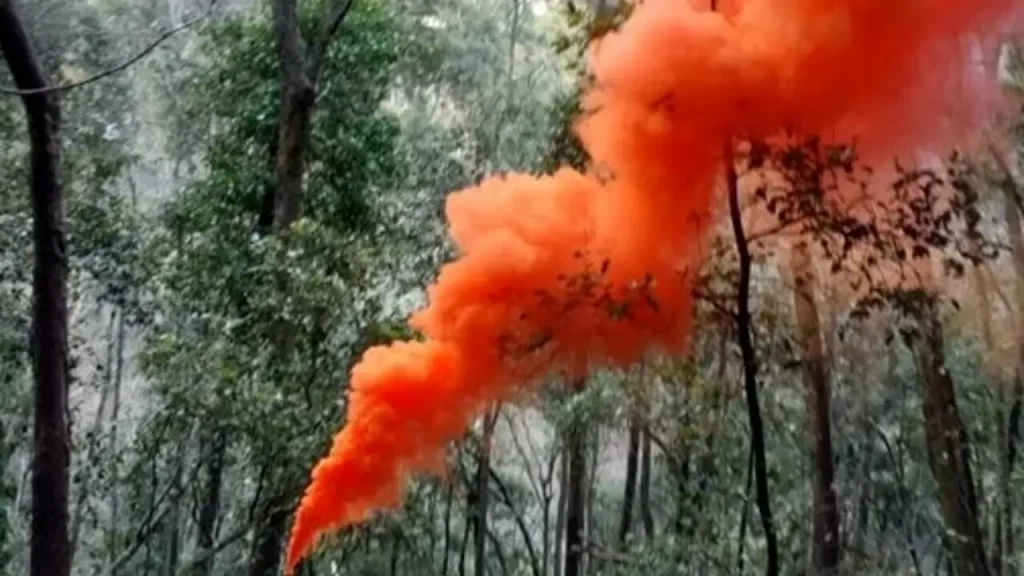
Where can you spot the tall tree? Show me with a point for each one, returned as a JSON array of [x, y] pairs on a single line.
[[825, 509], [948, 448], [748, 354], [299, 78], [1010, 396], [50, 553]]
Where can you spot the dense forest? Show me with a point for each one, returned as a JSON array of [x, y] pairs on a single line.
[[209, 211]]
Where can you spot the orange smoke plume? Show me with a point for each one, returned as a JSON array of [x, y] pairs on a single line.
[[565, 272]]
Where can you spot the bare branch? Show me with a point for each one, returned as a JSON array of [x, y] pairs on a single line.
[[334, 14], [119, 67], [204, 555]]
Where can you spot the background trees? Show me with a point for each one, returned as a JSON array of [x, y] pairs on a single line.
[[208, 347]]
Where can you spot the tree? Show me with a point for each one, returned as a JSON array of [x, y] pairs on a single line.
[[50, 549], [749, 358], [274, 299], [826, 537]]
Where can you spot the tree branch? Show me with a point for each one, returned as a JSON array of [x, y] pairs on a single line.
[[334, 14], [119, 67], [518, 518], [208, 553]]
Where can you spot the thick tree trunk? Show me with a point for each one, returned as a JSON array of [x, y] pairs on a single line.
[[949, 451], [629, 491], [50, 549], [576, 496], [825, 544], [749, 357]]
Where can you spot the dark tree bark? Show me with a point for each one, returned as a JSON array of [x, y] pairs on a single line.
[[50, 545], [629, 491], [483, 491], [215, 448], [298, 99], [749, 358], [825, 544], [271, 522], [576, 497], [949, 451], [646, 513]]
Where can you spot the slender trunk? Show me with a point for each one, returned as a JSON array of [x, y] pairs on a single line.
[[113, 538], [482, 489], [396, 551], [590, 497], [560, 509], [684, 500], [629, 491], [50, 547], [213, 450], [1011, 433], [825, 543], [547, 496], [173, 536], [949, 450], [646, 514], [744, 513], [449, 498], [749, 356], [576, 497]]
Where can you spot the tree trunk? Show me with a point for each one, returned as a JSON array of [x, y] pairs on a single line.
[[825, 544], [483, 490], [1011, 433], [113, 539], [576, 496], [949, 451], [749, 357], [50, 549], [629, 491], [213, 450], [298, 95], [646, 514], [267, 540], [172, 537], [560, 510], [298, 99]]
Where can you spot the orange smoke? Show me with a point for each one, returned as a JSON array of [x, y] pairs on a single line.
[[565, 272]]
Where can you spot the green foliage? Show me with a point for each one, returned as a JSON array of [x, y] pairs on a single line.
[[212, 349]]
